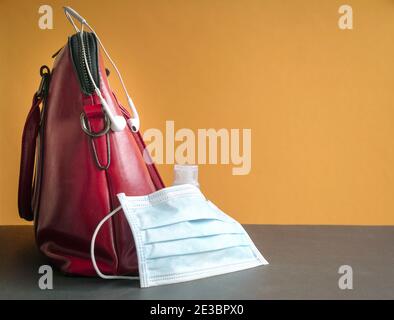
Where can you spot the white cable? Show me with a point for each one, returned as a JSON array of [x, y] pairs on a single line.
[[135, 122], [117, 122], [93, 242], [72, 21], [112, 62]]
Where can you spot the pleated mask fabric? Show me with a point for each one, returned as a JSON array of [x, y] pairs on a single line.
[[182, 236]]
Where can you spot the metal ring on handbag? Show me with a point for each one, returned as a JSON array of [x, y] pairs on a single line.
[[92, 134]]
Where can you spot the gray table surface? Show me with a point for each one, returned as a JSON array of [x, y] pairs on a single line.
[[304, 263]]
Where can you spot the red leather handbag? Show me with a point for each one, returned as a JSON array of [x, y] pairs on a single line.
[[73, 165]]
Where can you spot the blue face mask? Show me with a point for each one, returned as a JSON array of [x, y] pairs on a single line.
[[181, 236]]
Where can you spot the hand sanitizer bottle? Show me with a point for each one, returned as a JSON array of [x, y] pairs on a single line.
[[186, 174]]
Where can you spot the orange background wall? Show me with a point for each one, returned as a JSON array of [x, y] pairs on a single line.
[[319, 100]]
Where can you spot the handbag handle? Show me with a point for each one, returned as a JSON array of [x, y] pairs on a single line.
[[29, 136], [28, 151]]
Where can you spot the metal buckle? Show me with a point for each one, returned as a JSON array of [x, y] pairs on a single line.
[[45, 73], [92, 134], [96, 158]]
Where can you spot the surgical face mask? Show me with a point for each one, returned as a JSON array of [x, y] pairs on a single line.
[[181, 236]]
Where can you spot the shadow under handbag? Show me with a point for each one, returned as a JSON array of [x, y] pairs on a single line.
[[79, 150]]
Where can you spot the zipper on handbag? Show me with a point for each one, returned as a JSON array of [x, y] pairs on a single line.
[[85, 76], [90, 44]]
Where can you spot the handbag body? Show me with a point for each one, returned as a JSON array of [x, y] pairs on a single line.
[[73, 166]]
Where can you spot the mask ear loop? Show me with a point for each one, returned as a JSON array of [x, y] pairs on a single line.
[[117, 122], [92, 245]]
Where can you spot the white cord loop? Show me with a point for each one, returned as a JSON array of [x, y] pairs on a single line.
[[92, 245]]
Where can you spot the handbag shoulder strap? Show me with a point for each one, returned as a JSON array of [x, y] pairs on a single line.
[[29, 137]]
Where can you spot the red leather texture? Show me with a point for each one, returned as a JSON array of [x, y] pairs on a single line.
[[73, 194]]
